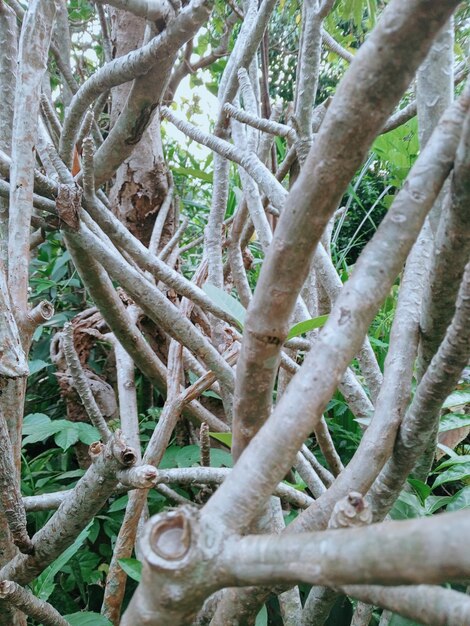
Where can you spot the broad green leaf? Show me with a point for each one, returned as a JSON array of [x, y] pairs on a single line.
[[455, 460], [87, 564], [455, 473], [62, 260], [226, 302], [358, 12], [457, 398], [169, 458], [306, 326], [221, 458], [450, 421], [86, 618], [78, 473], [188, 456], [38, 427], [58, 320], [119, 504], [434, 503], [407, 506], [36, 366], [42, 585], [87, 433], [378, 343], [132, 567], [44, 430], [33, 421], [67, 436], [225, 438], [461, 500]]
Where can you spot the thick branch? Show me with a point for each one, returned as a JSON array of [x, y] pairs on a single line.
[[10, 497], [33, 48], [384, 553], [154, 10], [30, 605], [430, 605], [383, 66], [13, 363], [440, 379], [301, 406]]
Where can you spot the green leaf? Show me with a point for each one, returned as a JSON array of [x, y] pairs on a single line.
[[33, 421], [262, 617], [461, 500], [191, 171], [225, 438], [422, 490], [78, 473], [454, 460], [407, 506], [36, 366], [457, 398], [86, 564], [307, 325], [119, 504], [67, 436], [42, 585], [42, 428], [188, 456], [221, 458], [450, 421], [132, 567], [62, 260], [169, 458], [87, 433], [86, 618], [434, 503], [226, 302], [457, 472]]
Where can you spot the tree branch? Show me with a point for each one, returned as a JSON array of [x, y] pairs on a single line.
[[354, 118]]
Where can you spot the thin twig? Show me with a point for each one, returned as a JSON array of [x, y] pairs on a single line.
[[82, 385]]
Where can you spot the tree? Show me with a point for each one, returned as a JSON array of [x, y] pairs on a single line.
[[244, 353]]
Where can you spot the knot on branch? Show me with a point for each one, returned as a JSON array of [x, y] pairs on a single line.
[[140, 477], [353, 510], [68, 203]]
